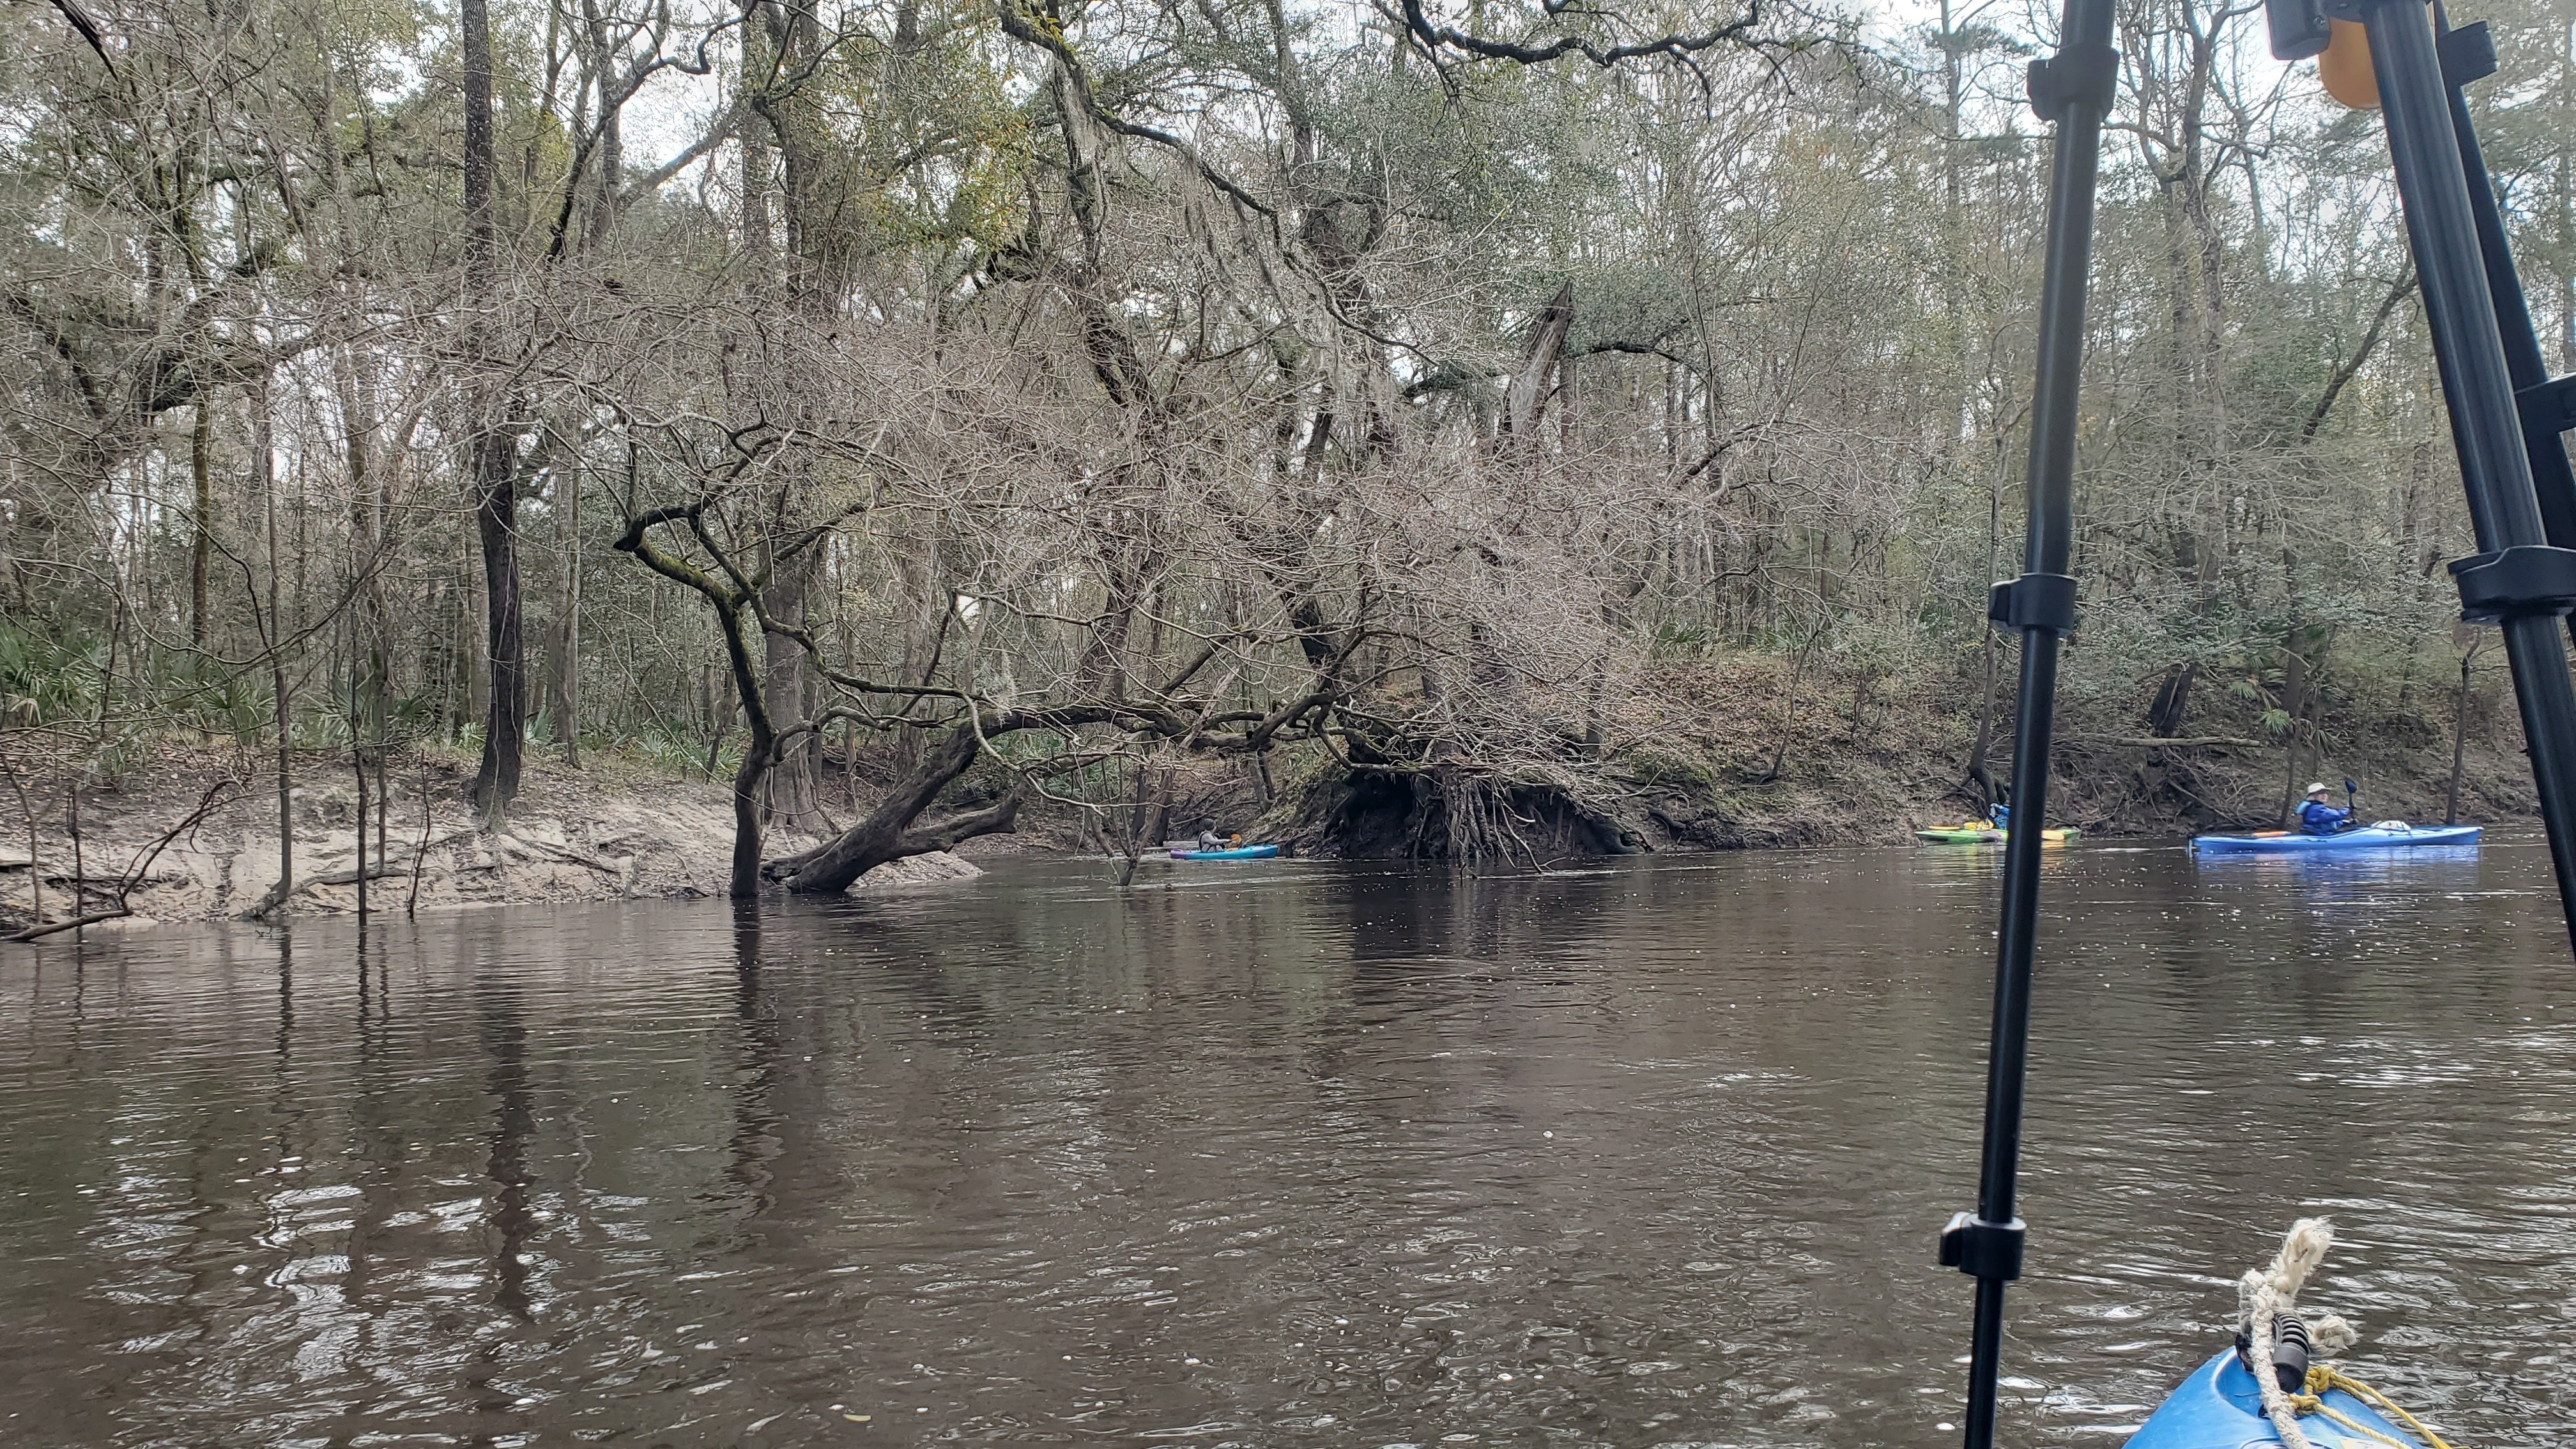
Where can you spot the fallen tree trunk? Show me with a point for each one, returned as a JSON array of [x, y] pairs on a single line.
[[889, 832], [117, 912]]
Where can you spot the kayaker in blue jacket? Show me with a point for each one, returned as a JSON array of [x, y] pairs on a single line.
[[2316, 817]]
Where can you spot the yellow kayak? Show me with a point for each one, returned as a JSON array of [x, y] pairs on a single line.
[[1977, 832]]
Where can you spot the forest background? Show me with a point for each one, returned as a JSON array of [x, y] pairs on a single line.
[[1476, 431]]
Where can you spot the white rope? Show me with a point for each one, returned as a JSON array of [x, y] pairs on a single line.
[[2268, 1292]]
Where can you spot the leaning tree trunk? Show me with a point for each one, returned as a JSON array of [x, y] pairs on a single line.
[[743, 880], [761, 750], [730, 605], [889, 832]]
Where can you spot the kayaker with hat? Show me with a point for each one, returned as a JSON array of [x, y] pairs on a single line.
[[2316, 817]]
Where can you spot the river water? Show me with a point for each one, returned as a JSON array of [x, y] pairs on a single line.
[[1281, 1153]]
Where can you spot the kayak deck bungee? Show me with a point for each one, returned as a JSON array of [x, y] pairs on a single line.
[[1972, 833], [1240, 852], [2390, 836], [2218, 1408]]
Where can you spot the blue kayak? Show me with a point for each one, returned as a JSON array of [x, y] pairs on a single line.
[[1240, 852], [2218, 1408], [2369, 837]]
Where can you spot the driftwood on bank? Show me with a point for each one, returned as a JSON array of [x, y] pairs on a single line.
[[135, 873], [279, 893]]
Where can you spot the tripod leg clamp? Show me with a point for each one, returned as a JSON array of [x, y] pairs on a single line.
[[2467, 54], [1982, 1249], [2548, 407], [2088, 73], [2516, 582], [2034, 601]]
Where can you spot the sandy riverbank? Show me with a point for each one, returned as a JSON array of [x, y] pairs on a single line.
[[611, 831]]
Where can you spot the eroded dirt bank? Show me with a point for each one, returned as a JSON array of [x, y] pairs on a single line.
[[612, 832], [1712, 759]]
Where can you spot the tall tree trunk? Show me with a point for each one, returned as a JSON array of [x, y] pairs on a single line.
[[2459, 739], [608, 164], [371, 628], [796, 778], [201, 551], [1525, 398], [263, 450], [358, 767], [496, 779], [493, 461], [1979, 752], [567, 653]]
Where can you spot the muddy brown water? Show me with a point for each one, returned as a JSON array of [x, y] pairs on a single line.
[[1280, 1153]]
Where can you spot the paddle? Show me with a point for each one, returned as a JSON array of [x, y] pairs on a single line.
[[2351, 820]]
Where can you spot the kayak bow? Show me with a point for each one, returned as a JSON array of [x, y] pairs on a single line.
[[2218, 1408]]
